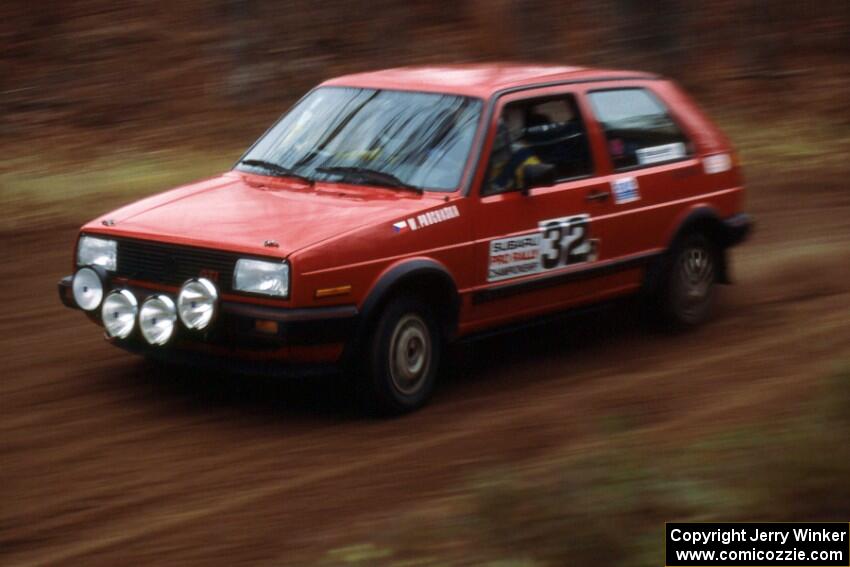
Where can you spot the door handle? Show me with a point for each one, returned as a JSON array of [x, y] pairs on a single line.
[[597, 196]]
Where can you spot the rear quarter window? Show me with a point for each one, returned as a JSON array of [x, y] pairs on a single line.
[[639, 130]]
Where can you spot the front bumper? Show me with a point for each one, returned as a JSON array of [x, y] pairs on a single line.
[[285, 341]]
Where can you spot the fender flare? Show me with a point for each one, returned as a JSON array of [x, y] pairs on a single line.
[[392, 280], [702, 218]]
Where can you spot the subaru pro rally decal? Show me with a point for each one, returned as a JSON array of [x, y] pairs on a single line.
[[557, 243]]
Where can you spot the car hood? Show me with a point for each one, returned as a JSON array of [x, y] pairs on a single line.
[[240, 212]]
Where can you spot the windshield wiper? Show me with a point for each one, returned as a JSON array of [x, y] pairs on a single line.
[[373, 175], [277, 168]]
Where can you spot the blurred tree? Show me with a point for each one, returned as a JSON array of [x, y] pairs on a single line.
[[516, 29], [657, 31], [99, 63], [240, 43], [494, 38]]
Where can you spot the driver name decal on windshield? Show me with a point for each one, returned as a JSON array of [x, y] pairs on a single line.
[[558, 243]]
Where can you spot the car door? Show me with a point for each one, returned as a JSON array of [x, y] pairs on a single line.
[[539, 248], [649, 162]]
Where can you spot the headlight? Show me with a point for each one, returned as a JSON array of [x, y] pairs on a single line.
[[196, 304], [87, 286], [258, 276], [157, 319], [119, 313], [93, 251]]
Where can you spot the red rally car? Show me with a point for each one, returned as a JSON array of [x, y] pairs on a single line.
[[389, 213]]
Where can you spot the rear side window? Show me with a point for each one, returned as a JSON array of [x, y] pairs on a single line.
[[638, 128]]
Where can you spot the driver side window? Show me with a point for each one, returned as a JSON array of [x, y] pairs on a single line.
[[544, 134]]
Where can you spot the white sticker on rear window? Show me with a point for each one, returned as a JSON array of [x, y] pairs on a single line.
[[717, 163], [657, 154]]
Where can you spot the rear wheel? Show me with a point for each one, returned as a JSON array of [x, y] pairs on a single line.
[[400, 367], [689, 283]]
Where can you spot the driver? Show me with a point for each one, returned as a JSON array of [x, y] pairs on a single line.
[[511, 154]]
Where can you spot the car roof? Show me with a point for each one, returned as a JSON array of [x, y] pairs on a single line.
[[476, 79]]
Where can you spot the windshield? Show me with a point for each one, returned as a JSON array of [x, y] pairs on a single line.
[[366, 136]]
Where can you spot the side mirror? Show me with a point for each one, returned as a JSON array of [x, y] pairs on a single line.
[[537, 175]]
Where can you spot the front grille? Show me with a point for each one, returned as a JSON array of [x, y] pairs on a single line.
[[172, 265]]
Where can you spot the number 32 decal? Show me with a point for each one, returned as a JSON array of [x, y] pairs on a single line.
[[564, 241]]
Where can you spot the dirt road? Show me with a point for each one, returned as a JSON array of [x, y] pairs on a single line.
[[105, 459]]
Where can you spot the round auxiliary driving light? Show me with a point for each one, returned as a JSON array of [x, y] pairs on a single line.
[[119, 313], [88, 289], [196, 303], [158, 319]]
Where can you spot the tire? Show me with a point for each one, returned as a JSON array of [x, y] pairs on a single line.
[[402, 358], [688, 283]]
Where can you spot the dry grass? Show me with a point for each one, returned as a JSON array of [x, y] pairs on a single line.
[[797, 141], [38, 190]]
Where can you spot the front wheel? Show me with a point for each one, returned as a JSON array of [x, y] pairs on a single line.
[[689, 284], [400, 367]]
